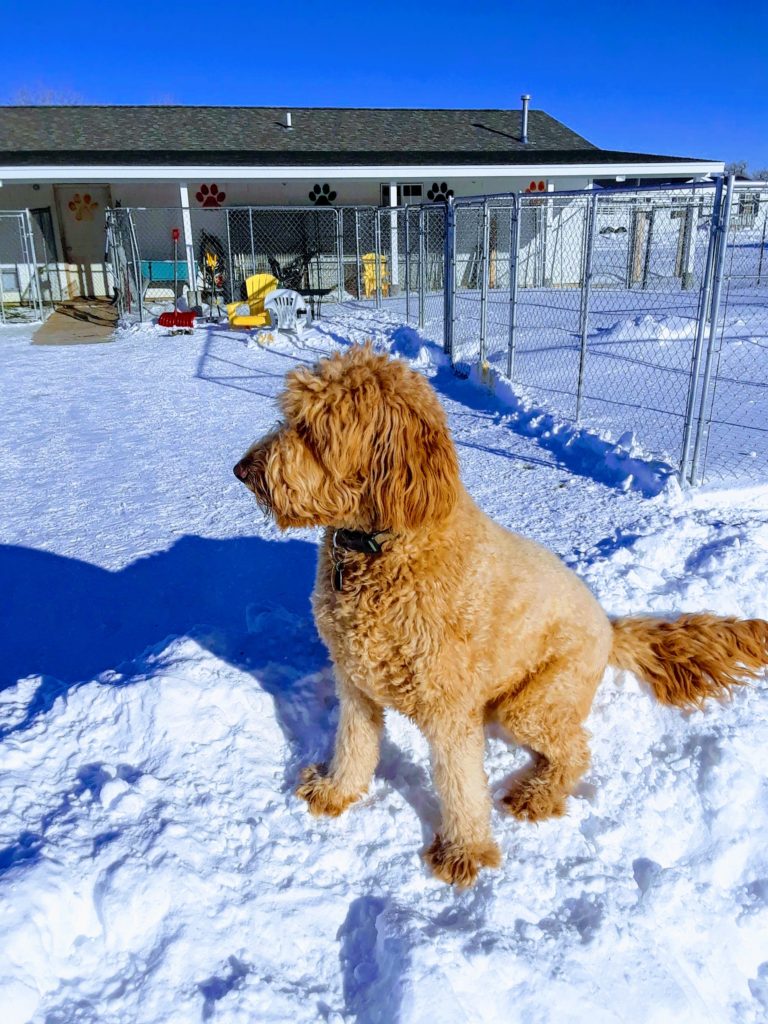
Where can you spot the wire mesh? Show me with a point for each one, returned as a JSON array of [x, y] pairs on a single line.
[[411, 243], [382, 257], [431, 267], [358, 249], [468, 274], [644, 313]]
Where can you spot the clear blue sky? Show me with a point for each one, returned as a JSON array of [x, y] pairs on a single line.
[[687, 79]]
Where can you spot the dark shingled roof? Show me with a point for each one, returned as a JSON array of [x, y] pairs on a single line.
[[167, 135]]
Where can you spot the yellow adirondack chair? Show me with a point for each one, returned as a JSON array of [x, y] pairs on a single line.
[[257, 288], [369, 260]]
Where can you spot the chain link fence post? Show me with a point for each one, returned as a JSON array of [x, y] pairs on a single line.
[[589, 227], [35, 284], [377, 254], [484, 271], [137, 263], [357, 255], [514, 251], [449, 274], [406, 228], [686, 470], [422, 264], [340, 251], [714, 315]]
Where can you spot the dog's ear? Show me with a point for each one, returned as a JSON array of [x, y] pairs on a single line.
[[332, 414], [414, 473]]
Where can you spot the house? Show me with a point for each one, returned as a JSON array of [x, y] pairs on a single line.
[[68, 164]]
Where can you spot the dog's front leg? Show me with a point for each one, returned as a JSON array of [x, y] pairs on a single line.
[[331, 789], [464, 844]]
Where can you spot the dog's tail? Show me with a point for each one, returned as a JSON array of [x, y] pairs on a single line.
[[693, 657]]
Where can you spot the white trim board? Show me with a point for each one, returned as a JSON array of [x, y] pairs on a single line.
[[149, 173]]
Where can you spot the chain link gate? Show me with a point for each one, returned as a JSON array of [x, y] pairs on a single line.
[[732, 430], [410, 267], [25, 293]]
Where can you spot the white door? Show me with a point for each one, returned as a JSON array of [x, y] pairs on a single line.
[[81, 210]]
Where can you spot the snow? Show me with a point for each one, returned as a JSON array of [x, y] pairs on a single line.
[[163, 683]]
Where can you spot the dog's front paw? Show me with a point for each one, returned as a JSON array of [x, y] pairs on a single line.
[[318, 789], [459, 863]]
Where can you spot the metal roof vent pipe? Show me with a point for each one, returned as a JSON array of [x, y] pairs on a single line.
[[288, 124], [524, 128]]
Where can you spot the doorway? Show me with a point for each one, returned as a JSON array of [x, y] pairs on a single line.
[[82, 222]]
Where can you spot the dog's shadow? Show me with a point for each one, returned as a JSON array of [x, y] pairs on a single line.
[[246, 599]]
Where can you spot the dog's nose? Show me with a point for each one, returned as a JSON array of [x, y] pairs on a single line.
[[240, 470]]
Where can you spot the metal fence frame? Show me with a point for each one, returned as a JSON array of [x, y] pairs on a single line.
[[29, 301]]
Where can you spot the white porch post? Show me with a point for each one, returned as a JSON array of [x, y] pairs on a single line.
[[394, 270], [189, 244]]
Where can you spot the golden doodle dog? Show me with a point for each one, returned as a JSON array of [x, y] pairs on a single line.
[[429, 607]]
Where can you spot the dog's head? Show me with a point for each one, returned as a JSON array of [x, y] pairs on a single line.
[[363, 445]]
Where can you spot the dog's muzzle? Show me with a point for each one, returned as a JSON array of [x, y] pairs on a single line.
[[251, 470]]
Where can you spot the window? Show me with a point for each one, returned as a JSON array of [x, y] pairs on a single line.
[[749, 203], [683, 203], [9, 279], [407, 192]]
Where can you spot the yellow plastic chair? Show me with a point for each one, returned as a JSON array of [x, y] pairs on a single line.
[[257, 288], [369, 260]]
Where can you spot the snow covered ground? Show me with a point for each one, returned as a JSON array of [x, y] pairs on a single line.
[[163, 683]]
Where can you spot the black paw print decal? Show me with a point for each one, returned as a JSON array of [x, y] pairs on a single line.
[[322, 196], [439, 193], [210, 196]]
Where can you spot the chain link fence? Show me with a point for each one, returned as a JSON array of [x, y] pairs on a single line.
[[640, 312], [161, 254], [25, 287], [387, 258]]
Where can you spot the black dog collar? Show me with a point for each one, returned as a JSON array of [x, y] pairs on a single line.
[[352, 540]]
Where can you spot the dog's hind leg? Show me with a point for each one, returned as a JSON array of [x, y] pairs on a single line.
[[547, 715], [330, 790]]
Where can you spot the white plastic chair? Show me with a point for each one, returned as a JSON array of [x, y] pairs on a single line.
[[287, 310]]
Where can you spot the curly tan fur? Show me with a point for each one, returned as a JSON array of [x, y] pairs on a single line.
[[458, 621]]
